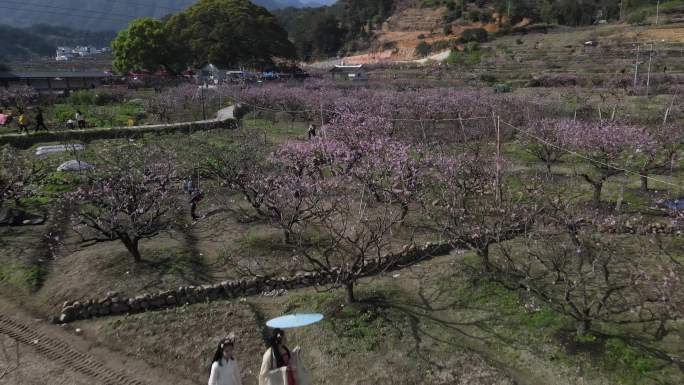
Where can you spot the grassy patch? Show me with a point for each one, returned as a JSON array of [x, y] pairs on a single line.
[[519, 153], [508, 303], [22, 276], [620, 355], [96, 116], [263, 241], [57, 182], [366, 326], [516, 316], [275, 131], [35, 201]]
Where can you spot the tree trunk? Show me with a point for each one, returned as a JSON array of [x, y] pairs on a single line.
[[583, 327], [644, 182], [483, 252], [548, 168], [596, 200], [287, 236], [349, 293], [597, 185], [661, 332], [132, 247], [404, 211]]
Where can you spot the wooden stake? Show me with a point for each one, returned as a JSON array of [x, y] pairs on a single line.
[[648, 76], [621, 197], [667, 111], [460, 122], [636, 67], [497, 180]]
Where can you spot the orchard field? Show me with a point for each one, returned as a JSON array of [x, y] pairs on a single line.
[[556, 203]]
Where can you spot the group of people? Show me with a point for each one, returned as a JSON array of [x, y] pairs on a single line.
[[79, 120], [279, 366], [23, 121]]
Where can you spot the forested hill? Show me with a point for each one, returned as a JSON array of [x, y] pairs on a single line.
[[102, 15], [350, 25], [42, 40]]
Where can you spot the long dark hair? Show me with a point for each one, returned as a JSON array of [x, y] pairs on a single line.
[[275, 340], [219, 350]]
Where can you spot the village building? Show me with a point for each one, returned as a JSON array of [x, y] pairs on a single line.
[[349, 72], [65, 53], [212, 74], [54, 81]]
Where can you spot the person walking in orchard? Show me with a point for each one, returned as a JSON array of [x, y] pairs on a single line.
[[80, 119], [311, 131], [40, 121], [196, 197], [280, 366], [4, 118], [224, 367], [23, 123]]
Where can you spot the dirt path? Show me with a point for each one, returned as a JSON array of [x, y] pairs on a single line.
[[77, 359]]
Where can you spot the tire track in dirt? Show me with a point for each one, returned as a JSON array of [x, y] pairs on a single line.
[[61, 352]]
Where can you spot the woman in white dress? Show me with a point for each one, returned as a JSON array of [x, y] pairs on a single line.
[[224, 367], [280, 366]]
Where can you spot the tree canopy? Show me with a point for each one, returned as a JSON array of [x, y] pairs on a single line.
[[227, 33], [143, 45]]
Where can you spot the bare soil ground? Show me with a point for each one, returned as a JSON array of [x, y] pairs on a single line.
[[398, 351], [35, 352]]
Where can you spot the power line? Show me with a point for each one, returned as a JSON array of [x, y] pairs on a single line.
[[525, 132], [337, 111], [590, 159]]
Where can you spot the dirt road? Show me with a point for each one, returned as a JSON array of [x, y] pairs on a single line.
[[33, 352]]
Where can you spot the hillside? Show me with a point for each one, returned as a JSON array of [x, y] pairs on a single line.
[[102, 15], [376, 30], [42, 40]]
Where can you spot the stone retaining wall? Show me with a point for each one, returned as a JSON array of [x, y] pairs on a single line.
[[113, 304], [637, 226]]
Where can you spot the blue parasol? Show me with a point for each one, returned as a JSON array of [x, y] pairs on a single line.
[[294, 320]]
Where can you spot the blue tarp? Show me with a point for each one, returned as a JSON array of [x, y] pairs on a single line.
[[676, 204]]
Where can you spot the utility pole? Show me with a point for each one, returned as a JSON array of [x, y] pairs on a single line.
[[657, 11], [204, 111], [509, 12], [322, 118]]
